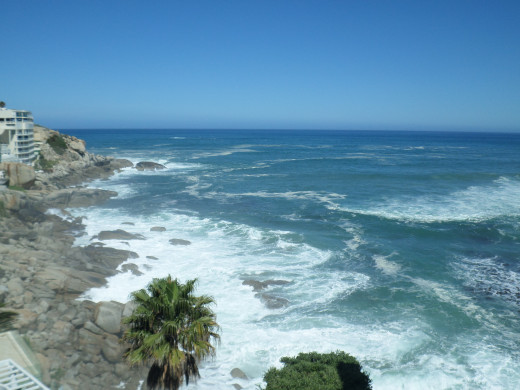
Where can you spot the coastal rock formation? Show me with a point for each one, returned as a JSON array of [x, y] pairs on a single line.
[[157, 229], [20, 175], [42, 273], [148, 166], [271, 301], [118, 234], [259, 286], [64, 161], [178, 241]]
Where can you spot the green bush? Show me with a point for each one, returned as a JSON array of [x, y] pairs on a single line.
[[311, 371], [57, 143], [17, 188], [45, 165]]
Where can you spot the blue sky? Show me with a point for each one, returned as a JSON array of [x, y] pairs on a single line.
[[411, 65]]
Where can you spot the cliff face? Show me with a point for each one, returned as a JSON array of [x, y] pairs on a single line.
[[42, 273]]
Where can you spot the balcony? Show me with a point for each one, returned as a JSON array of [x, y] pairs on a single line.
[[14, 377]]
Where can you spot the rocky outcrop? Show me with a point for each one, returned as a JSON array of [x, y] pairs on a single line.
[[259, 285], [19, 175], [157, 229], [148, 166], [178, 241], [58, 167], [42, 274], [270, 300], [118, 234]]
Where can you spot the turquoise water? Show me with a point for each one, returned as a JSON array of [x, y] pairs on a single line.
[[401, 248]]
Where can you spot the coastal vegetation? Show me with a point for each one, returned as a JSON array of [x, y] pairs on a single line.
[[170, 329], [44, 164], [310, 371], [6, 318], [3, 211], [57, 143]]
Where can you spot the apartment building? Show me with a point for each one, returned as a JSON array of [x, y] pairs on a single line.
[[16, 136]]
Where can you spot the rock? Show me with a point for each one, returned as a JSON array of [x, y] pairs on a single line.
[[273, 302], [128, 223], [178, 241], [129, 309], [237, 386], [108, 258], [259, 286], [133, 268], [152, 257], [118, 234], [108, 316], [112, 349], [148, 166], [91, 327], [120, 163], [15, 286], [25, 318], [77, 197], [90, 342], [158, 229], [238, 373], [19, 174]]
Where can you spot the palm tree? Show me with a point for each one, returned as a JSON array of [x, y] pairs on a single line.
[[2, 104], [171, 329]]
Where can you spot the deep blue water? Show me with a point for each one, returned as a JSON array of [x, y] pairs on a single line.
[[402, 248]]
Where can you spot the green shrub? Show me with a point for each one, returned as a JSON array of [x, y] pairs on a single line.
[[57, 143], [44, 164], [17, 188], [311, 371]]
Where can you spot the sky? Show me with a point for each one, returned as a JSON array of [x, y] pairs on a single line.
[[247, 64]]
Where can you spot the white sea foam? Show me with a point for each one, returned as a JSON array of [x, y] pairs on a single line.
[[221, 153], [489, 277], [386, 266], [222, 254], [327, 198], [477, 203]]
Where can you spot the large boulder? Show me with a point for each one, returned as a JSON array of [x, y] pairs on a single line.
[[108, 316], [118, 234], [148, 166], [179, 241], [19, 174]]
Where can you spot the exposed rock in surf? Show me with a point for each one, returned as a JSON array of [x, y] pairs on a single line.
[[178, 241], [131, 267], [158, 229], [238, 373], [148, 166], [272, 301], [259, 285], [128, 223], [118, 234], [152, 257]]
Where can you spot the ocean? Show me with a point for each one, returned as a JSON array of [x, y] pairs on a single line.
[[400, 248]]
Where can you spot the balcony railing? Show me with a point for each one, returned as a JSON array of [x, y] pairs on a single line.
[[14, 377]]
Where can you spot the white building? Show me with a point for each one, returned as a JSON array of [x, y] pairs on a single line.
[[16, 136]]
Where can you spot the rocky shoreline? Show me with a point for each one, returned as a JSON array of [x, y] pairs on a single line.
[[42, 274]]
